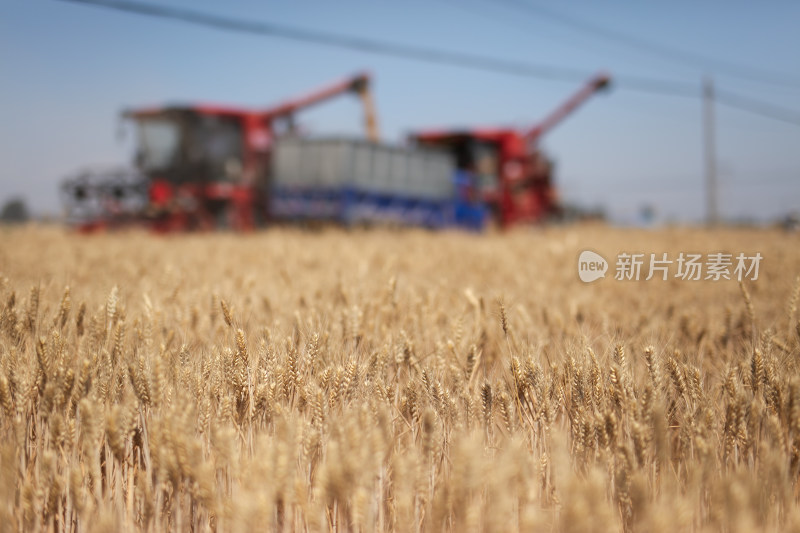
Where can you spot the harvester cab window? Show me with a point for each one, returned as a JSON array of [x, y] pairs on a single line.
[[159, 144], [477, 158], [485, 164], [216, 144]]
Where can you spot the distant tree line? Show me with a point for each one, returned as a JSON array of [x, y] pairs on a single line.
[[14, 211]]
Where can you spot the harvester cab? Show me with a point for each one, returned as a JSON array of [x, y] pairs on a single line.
[[181, 144], [202, 165], [504, 168]]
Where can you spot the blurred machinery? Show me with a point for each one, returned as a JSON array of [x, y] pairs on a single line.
[[504, 168], [197, 167], [205, 167]]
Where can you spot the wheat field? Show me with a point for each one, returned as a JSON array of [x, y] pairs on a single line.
[[384, 380]]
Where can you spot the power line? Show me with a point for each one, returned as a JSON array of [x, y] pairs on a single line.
[[343, 41], [430, 55], [645, 85], [744, 103], [672, 88], [666, 52], [551, 72]]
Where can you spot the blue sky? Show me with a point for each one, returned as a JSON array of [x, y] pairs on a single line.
[[67, 70]]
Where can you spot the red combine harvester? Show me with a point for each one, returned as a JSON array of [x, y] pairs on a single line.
[[504, 168], [198, 167]]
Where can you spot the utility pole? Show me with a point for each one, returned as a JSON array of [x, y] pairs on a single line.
[[710, 152]]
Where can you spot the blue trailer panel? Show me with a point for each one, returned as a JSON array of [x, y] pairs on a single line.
[[353, 181]]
